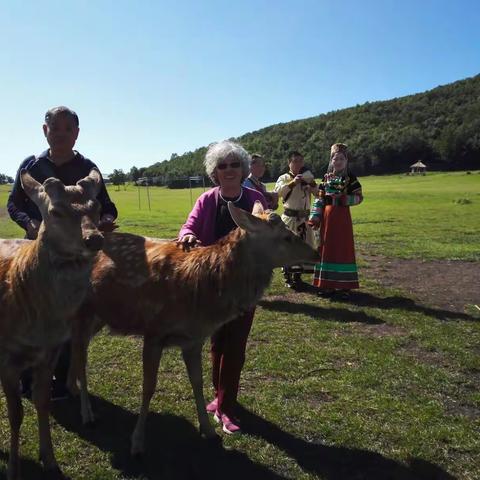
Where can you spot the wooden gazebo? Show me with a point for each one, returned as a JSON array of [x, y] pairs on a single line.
[[418, 167]]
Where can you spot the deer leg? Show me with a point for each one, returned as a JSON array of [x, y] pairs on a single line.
[[192, 357], [10, 382], [78, 371], [72, 383], [152, 352], [41, 398], [79, 341]]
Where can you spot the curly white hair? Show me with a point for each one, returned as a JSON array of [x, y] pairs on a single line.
[[217, 152]]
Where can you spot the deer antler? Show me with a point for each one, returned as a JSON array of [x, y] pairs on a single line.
[[91, 183]]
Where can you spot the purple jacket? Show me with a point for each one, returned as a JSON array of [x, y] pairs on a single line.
[[201, 221]]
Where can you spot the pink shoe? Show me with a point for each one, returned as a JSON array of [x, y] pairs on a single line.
[[230, 425], [212, 406]]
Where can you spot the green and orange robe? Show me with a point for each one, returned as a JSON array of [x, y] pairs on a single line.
[[337, 268]]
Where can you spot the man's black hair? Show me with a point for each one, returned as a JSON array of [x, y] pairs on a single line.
[[294, 153], [61, 110]]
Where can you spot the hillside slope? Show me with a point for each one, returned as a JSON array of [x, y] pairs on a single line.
[[441, 127]]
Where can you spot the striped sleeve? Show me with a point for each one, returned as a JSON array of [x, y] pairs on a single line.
[[317, 208], [351, 200]]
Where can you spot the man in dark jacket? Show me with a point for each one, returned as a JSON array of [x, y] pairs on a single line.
[[61, 130]]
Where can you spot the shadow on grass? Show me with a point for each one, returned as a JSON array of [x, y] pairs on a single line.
[[361, 299], [315, 311], [338, 463], [364, 299], [175, 451], [174, 448], [29, 468]]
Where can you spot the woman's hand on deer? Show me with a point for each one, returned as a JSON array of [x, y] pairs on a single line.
[[188, 242]]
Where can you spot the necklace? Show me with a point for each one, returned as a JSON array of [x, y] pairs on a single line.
[[233, 201]]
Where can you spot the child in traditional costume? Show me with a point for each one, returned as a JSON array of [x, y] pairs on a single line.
[[340, 189]]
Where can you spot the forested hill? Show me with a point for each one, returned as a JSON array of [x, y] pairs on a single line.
[[441, 127]]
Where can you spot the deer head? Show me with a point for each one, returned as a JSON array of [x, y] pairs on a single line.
[[271, 238], [70, 214]]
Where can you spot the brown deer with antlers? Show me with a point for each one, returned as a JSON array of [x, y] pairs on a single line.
[[179, 298], [42, 284]]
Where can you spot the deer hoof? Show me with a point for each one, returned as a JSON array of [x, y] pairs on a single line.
[[88, 418], [137, 457], [136, 451], [91, 424], [136, 454]]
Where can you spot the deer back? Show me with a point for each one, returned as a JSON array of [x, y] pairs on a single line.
[[144, 287]]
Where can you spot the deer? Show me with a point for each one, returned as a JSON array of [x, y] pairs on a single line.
[[177, 298], [42, 284]]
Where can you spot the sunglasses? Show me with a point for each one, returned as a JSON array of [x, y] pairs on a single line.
[[223, 166]]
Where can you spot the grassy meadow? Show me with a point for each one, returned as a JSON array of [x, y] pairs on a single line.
[[381, 389]]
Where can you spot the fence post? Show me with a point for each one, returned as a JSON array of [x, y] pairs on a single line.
[[148, 197]]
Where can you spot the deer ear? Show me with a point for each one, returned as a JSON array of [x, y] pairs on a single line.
[[54, 187], [30, 186], [244, 219], [92, 183], [257, 208]]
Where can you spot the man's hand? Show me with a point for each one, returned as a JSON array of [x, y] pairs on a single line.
[[298, 179], [315, 222], [188, 242], [32, 229]]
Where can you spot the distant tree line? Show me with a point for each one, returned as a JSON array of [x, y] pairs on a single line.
[[5, 179], [441, 127]]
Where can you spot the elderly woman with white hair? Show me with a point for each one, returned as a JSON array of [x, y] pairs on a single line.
[[227, 164]]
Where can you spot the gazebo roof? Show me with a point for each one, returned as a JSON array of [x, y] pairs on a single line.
[[419, 164]]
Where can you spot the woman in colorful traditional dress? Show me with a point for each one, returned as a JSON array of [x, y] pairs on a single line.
[[295, 188], [340, 189]]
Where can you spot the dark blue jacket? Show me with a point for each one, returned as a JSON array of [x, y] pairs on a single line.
[[22, 209]]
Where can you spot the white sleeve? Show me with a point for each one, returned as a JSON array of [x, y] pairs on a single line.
[[282, 185]]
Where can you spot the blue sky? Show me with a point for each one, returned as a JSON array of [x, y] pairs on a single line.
[[149, 78]]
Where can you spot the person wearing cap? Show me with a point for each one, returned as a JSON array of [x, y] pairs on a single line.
[[61, 128], [337, 271], [296, 188], [257, 171]]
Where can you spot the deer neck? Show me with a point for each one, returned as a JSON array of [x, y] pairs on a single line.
[[239, 273], [46, 295]]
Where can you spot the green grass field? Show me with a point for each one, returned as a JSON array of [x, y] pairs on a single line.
[[381, 389]]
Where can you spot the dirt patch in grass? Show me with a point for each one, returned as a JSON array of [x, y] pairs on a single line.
[[318, 399], [453, 407], [421, 355], [446, 284], [457, 403], [378, 330]]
